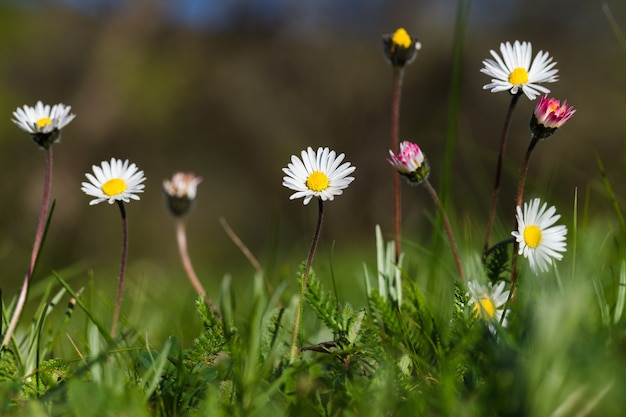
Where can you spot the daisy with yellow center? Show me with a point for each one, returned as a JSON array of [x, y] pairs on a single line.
[[539, 241], [317, 174], [514, 71], [114, 181], [487, 301], [43, 122]]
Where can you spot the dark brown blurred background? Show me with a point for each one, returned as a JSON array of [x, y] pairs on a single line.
[[230, 89]]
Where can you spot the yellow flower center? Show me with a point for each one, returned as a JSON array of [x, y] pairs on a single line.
[[484, 308], [518, 76], [532, 236], [114, 186], [317, 181], [43, 122], [401, 38]]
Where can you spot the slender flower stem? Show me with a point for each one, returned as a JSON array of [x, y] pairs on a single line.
[[120, 281], [518, 202], [446, 223], [398, 75], [496, 185], [181, 237], [45, 204], [304, 281]]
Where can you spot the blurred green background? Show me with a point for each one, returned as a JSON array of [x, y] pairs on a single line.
[[231, 89]]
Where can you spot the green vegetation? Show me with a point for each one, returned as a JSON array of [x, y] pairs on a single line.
[[387, 327]]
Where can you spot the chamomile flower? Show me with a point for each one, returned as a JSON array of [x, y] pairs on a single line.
[[487, 301], [318, 174], [43, 122], [514, 70], [539, 241], [114, 181]]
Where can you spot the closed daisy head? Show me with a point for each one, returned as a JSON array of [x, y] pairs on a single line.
[[43, 122], [549, 115], [487, 301], [400, 48], [114, 181], [514, 71], [180, 192], [410, 162], [318, 174], [539, 241]]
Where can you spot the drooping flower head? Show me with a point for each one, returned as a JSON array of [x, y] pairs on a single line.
[[317, 174], [514, 71], [539, 241], [180, 192], [549, 115], [400, 48], [43, 122], [488, 301], [114, 181], [410, 162]]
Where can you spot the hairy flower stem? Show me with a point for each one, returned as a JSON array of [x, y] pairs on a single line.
[[45, 204], [120, 281], [446, 223], [518, 202], [496, 186], [304, 281], [181, 238], [396, 93]]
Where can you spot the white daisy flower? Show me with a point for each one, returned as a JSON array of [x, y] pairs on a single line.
[[487, 301], [538, 241], [514, 70], [114, 181], [317, 174], [42, 118]]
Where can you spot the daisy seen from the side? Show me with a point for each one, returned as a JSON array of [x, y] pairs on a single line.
[[410, 162], [43, 122], [113, 181], [514, 71], [317, 174], [488, 301], [539, 241]]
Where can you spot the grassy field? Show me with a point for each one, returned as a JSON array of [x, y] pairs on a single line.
[[515, 315]]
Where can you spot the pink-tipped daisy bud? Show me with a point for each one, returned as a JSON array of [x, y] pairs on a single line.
[[180, 192], [549, 115], [410, 162], [400, 48]]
